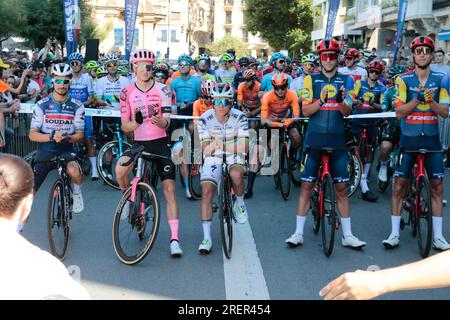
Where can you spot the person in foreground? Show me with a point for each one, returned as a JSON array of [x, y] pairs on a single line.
[[26, 272], [433, 272]]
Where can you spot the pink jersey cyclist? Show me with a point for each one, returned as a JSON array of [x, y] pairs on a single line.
[[157, 100]]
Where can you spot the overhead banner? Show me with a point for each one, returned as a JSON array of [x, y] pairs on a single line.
[[131, 9], [71, 12], [400, 24], [332, 13]]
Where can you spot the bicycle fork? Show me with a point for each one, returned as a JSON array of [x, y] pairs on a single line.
[[137, 206]]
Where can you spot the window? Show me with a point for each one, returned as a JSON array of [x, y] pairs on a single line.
[[162, 36], [228, 17], [227, 31], [173, 36], [244, 35], [228, 2], [118, 37], [175, 16]]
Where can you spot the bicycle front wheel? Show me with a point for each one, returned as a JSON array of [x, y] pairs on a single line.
[[194, 180], [356, 169], [58, 221], [423, 216], [107, 159], [327, 200], [315, 208], [226, 217], [284, 173], [297, 171], [136, 224]]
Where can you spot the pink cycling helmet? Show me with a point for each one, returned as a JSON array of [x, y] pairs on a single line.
[[144, 55]]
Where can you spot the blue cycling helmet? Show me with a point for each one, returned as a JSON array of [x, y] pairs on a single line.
[[222, 90], [75, 56], [396, 70], [185, 57], [276, 56]]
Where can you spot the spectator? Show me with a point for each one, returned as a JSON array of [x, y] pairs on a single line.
[[26, 272], [439, 64]]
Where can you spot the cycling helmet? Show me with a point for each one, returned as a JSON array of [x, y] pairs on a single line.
[[185, 57], [252, 60], [243, 60], [376, 65], [92, 64], [61, 69], [396, 70], [422, 41], [122, 70], [143, 55], [204, 56], [250, 74], [207, 87], [279, 80], [75, 56], [276, 56], [109, 58], [328, 45], [161, 70], [226, 57], [352, 52], [222, 90], [101, 71], [309, 58]]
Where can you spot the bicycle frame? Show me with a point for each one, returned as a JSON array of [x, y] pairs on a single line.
[[419, 171], [323, 170], [363, 135], [120, 139]]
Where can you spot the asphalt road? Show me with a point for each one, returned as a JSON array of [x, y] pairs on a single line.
[[262, 266]]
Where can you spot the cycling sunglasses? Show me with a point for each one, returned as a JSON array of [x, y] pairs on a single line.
[[161, 75], [112, 64], [184, 63], [331, 55], [244, 65], [374, 71], [281, 61], [224, 102], [422, 50], [308, 65], [144, 66], [348, 58], [61, 81], [75, 63], [280, 88], [253, 65]]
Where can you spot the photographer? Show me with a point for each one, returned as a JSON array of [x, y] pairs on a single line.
[[50, 50]]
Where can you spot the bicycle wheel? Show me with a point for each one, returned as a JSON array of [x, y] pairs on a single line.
[[356, 169], [226, 217], [314, 205], [57, 221], [30, 158], [135, 228], [424, 217], [111, 149], [284, 173], [194, 180], [297, 171], [327, 203], [362, 150]]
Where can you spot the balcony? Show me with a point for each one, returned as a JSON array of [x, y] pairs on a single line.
[[350, 15], [440, 4]]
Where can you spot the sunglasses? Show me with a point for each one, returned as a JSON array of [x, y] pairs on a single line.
[[224, 102], [253, 65], [280, 88], [422, 50], [112, 65], [374, 71], [325, 56], [161, 75], [281, 61], [308, 65], [243, 65], [184, 63], [249, 80], [61, 81], [75, 63], [144, 66], [348, 58]]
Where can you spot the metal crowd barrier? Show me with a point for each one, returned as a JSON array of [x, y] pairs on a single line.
[[16, 134]]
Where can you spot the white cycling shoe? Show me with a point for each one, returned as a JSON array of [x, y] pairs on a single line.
[[441, 244], [352, 242], [205, 247], [382, 175], [294, 240], [392, 242], [175, 249]]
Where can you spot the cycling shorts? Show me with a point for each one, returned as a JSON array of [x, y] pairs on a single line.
[[88, 128], [391, 133], [212, 168]]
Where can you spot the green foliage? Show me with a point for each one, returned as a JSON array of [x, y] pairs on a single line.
[[219, 47], [355, 44], [8, 19], [285, 25]]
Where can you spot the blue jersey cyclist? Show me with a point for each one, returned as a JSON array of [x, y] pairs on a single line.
[[366, 97], [323, 96], [420, 98], [279, 63], [58, 123]]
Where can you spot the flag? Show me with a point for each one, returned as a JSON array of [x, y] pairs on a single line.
[[70, 9], [403, 5], [131, 9], [332, 13]]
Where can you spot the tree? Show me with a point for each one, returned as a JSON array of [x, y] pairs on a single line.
[[286, 25], [8, 20], [219, 47]]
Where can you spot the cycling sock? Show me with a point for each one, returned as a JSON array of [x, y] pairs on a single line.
[[186, 183], [77, 188], [363, 184], [346, 226], [173, 224], [240, 200], [300, 224], [251, 180], [395, 220], [366, 169], [93, 161], [437, 228], [206, 224], [384, 163]]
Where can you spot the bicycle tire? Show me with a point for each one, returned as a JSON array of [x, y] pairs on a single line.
[[356, 169], [284, 173], [424, 224], [30, 158], [195, 187], [130, 221], [109, 146], [362, 150], [226, 217], [314, 205], [297, 172], [58, 221], [327, 200]]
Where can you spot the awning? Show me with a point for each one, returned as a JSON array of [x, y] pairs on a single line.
[[444, 35]]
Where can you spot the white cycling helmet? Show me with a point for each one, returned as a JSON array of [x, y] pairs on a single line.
[[61, 69], [110, 57], [207, 87], [222, 90]]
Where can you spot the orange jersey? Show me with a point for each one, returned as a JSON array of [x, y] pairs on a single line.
[[274, 107], [200, 107], [249, 97]]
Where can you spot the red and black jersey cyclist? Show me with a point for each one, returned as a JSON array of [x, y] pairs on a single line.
[[367, 96], [421, 97], [323, 102]]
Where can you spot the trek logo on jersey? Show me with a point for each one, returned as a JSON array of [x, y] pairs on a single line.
[[332, 91]]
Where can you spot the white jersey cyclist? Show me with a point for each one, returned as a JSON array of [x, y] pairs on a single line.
[[357, 73], [110, 91], [82, 88]]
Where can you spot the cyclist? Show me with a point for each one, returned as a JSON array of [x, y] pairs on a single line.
[[219, 128], [122, 71], [204, 103], [82, 89], [239, 77], [58, 123], [107, 91], [391, 133], [367, 96], [351, 68], [421, 97], [161, 72], [100, 73], [323, 102], [204, 67], [145, 111], [187, 89], [279, 63], [253, 64], [92, 66], [308, 64], [226, 73]]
